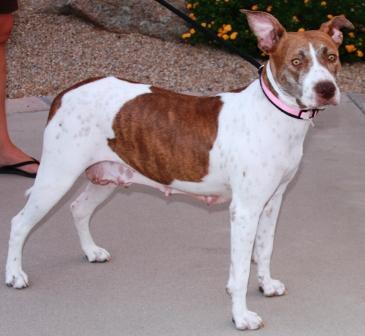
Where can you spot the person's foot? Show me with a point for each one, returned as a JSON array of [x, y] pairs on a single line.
[[12, 155]]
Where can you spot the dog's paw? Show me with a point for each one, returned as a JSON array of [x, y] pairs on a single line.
[[248, 321], [16, 279], [272, 288], [97, 254]]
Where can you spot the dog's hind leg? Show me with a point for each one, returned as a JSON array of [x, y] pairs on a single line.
[[56, 174], [82, 209]]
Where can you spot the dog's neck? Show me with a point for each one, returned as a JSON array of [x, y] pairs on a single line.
[[275, 88]]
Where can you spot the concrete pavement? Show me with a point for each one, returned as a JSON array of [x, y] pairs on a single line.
[[170, 259]]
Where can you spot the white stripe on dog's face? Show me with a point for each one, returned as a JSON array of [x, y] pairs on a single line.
[[304, 69], [319, 76]]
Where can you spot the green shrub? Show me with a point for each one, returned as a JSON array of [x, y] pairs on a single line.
[[223, 17]]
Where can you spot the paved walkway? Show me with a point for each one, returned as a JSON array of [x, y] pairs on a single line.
[[171, 258]]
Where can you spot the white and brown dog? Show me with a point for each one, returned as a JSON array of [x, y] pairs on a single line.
[[235, 145]]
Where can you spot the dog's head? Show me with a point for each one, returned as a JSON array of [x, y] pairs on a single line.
[[304, 64]]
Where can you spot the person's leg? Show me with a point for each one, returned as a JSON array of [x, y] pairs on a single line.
[[9, 153]]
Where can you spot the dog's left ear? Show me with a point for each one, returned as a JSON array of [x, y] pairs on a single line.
[[333, 26], [267, 29]]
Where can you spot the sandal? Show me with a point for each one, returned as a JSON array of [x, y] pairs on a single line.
[[14, 169]]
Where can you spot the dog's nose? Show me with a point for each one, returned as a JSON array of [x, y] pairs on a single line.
[[325, 89]]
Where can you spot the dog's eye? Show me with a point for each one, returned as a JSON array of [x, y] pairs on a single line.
[[332, 58], [296, 62]]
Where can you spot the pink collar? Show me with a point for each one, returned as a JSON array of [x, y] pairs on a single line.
[[290, 111]]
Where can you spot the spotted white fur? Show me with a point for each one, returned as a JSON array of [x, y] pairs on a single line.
[[256, 154]]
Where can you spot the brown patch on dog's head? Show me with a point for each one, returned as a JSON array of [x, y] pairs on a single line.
[[292, 61], [291, 58]]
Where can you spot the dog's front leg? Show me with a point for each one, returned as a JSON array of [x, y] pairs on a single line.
[[244, 221], [264, 245]]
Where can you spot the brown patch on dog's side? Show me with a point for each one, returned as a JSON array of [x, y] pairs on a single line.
[[166, 135]]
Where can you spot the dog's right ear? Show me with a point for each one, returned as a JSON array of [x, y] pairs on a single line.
[[267, 29]]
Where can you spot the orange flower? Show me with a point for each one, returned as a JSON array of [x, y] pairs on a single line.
[[186, 35], [255, 7], [359, 53], [233, 36], [227, 28], [350, 48]]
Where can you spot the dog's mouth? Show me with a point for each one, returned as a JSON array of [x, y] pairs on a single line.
[[322, 102], [307, 107]]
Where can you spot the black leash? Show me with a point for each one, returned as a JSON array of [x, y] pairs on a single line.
[[210, 34]]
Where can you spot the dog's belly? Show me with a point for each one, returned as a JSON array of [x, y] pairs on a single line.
[[122, 175]]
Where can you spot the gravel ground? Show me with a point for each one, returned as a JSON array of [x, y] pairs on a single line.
[[49, 52]]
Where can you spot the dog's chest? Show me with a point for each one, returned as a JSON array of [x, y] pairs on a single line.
[[255, 136]]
